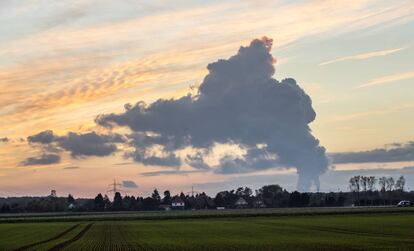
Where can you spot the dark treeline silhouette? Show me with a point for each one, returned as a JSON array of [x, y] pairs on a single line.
[[363, 192]]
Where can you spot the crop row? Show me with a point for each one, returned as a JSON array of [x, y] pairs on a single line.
[[327, 232]]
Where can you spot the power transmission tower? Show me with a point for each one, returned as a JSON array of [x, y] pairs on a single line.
[[115, 187], [192, 192]]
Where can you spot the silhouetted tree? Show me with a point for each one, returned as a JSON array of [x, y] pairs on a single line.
[[371, 183], [107, 202], [167, 197], [354, 186], [272, 195], [390, 183], [117, 204], [150, 204], [383, 183], [244, 192], [297, 199], [5, 208], [220, 200], [133, 204], [330, 200], [126, 202], [371, 180], [99, 203], [399, 185], [70, 199], [226, 199], [156, 196]]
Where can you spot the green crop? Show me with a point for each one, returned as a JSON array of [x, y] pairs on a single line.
[[385, 231]]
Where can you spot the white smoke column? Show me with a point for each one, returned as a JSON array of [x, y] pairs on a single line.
[[238, 103]]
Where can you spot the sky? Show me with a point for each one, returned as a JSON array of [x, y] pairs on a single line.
[[65, 63]]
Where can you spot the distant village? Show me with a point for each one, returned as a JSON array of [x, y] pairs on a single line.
[[362, 192]]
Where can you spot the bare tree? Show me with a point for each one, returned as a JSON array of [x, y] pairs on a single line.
[[383, 183], [354, 185], [390, 183], [399, 185], [363, 181], [371, 183]]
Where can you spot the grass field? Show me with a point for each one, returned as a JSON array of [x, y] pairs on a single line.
[[376, 231]]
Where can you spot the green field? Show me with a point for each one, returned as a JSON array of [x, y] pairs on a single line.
[[375, 231]]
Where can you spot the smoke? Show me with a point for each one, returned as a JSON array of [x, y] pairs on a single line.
[[237, 103]]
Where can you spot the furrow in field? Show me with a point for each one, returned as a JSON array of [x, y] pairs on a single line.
[[60, 235], [123, 239], [130, 243], [102, 237], [351, 232], [64, 244]]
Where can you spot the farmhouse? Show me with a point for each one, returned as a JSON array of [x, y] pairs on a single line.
[[71, 206], [258, 203], [177, 203], [165, 207], [241, 203]]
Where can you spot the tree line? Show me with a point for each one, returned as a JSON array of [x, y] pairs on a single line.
[[363, 192]]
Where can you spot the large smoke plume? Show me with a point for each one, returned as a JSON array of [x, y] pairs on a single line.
[[237, 103]]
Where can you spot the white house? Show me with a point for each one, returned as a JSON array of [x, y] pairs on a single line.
[[241, 203], [177, 203], [71, 206]]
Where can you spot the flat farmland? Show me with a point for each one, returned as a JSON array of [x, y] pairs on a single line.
[[195, 214], [384, 231]]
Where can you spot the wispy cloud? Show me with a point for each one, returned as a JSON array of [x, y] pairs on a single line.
[[363, 56], [402, 152], [71, 167], [129, 184], [388, 79], [171, 172], [359, 115]]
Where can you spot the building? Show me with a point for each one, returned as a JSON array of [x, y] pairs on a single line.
[[71, 206], [165, 207], [177, 203], [241, 203], [258, 203]]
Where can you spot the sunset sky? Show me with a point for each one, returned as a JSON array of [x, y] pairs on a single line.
[[63, 63]]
